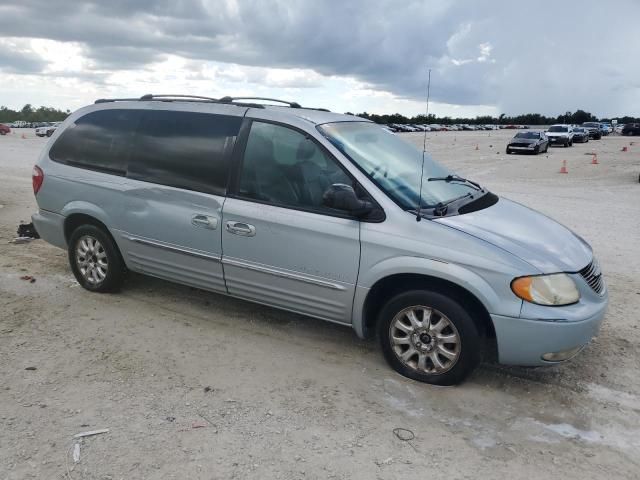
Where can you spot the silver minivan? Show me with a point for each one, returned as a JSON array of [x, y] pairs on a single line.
[[318, 213]]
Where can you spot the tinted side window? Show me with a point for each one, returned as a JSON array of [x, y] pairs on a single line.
[[285, 167], [184, 149], [98, 141]]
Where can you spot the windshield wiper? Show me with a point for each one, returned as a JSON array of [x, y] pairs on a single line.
[[440, 208], [453, 178]]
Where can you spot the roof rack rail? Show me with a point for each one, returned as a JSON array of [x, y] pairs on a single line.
[[107, 100], [233, 99], [150, 96], [199, 98]]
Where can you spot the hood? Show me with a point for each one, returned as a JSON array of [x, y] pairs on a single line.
[[527, 234]]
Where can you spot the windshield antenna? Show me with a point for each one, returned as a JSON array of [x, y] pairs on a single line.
[[424, 151]]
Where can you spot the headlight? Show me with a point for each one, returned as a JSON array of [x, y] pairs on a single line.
[[556, 289]]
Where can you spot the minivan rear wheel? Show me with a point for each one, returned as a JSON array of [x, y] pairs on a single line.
[[95, 259], [429, 337]]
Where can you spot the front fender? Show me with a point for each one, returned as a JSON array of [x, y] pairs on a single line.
[[494, 301]]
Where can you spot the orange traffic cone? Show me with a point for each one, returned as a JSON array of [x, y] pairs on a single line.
[[594, 159], [563, 169], [624, 149]]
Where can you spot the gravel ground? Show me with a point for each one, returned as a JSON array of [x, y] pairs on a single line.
[[195, 385]]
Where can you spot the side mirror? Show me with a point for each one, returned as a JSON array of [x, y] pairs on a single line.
[[343, 197]]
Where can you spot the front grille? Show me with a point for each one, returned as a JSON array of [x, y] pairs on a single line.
[[593, 276], [517, 144]]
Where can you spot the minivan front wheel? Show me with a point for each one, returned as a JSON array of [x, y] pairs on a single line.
[[95, 260], [429, 337]]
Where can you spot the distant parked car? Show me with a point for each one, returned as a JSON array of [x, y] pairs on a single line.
[[528, 142], [595, 132], [4, 129], [606, 128], [560, 134], [47, 131], [631, 129], [580, 135]]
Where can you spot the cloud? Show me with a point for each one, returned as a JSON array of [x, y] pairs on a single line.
[[548, 57], [17, 56]]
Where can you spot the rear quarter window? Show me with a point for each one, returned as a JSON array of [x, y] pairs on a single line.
[[100, 140]]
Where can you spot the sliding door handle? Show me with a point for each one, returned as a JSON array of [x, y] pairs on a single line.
[[204, 221], [239, 228]]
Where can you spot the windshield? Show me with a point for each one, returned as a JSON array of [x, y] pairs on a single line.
[[394, 164], [527, 135], [557, 128]]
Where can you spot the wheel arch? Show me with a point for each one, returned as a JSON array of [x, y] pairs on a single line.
[[77, 213], [387, 287], [75, 220]]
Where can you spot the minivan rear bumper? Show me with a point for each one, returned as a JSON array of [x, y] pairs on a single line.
[[50, 227], [524, 341]]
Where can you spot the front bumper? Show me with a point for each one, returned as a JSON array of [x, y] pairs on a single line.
[[50, 227], [549, 330], [529, 148]]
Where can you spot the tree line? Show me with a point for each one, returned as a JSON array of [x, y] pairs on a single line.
[[577, 117], [30, 114], [48, 114]]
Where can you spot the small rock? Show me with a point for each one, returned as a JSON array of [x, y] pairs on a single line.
[[31, 368]]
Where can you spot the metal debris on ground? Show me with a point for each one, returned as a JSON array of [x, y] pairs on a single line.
[[90, 433], [76, 453], [19, 240], [405, 435]]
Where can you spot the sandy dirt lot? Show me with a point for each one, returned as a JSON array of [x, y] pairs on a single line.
[[196, 385]]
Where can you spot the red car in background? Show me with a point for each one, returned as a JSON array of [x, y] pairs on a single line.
[[4, 129]]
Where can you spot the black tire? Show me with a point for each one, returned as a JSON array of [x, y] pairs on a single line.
[[546, 147], [536, 150], [509, 151], [442, 306], [115, 270], [566, 144], [49, 133]]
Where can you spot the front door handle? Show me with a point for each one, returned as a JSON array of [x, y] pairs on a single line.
[[204, 221], [239, 228]]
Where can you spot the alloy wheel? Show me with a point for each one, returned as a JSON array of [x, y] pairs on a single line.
[[425, 340], [92, 260]]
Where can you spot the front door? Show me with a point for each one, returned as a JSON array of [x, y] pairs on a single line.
[[281, 246]]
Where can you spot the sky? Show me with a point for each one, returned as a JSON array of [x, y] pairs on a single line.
[[486, 57]]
